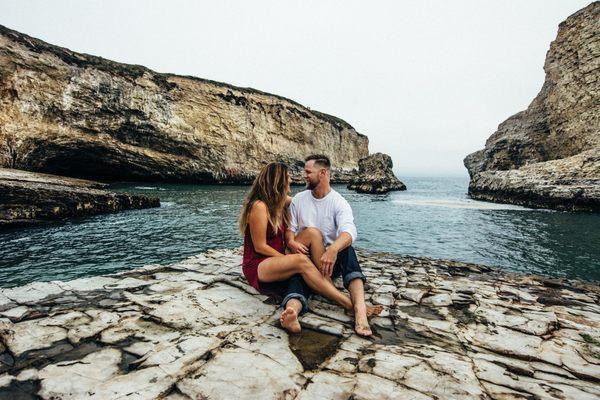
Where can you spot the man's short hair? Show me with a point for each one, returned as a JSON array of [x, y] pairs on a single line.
[[320, 160]]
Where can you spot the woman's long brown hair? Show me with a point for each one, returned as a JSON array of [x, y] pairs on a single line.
[[270, 187]]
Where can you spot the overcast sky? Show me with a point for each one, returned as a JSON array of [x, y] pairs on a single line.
[[427, 81]]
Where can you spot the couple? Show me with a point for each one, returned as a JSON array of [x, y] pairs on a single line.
[[317, 229]]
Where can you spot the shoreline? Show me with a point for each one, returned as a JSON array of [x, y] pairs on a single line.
[[503, 270], [450, 329]]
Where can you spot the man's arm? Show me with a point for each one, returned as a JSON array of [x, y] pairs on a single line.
[[347, 234], [329, 258], [343, 240]]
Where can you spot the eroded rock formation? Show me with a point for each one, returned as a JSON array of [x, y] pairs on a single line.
[[549, 155], [375, 175], [28, 198], [73, 114], [196, 330]]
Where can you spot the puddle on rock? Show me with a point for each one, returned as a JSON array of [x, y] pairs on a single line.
[[402, 335], [397, 337], [60, 351], [462, 313], [312, 347], [421, 312], [127, 363], [25, 390]]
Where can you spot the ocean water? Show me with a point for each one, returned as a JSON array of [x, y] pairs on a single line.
[[434, 218]]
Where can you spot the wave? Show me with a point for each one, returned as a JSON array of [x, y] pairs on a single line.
[[464, 204], [148, 188]]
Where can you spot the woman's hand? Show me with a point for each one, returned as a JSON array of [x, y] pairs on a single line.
[[297, 247]]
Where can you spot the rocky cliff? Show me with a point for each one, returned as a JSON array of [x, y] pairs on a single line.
[[78, 115], [549, 154]]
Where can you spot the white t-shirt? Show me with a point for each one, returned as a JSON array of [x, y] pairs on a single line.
[[331, 214]]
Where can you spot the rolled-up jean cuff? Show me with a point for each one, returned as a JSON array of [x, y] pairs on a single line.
[[352, 276], [299, 297]]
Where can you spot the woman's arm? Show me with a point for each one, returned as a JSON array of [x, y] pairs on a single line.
[[293, 245], [257, 221]]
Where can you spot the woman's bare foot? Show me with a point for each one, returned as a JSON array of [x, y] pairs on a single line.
[[361, 325], [289, 320]]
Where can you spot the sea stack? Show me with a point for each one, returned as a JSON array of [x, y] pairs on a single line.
[[548, 156], [375, 175], [77, 115]]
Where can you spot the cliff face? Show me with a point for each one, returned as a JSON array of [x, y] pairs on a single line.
[[558, 132], [73, 114]]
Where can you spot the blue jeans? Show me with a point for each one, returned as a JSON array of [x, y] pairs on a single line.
[[346, 266]]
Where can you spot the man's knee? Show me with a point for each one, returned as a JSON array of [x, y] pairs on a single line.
[[313, 233]]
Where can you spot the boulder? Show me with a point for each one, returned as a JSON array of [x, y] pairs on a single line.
[[375, 175]]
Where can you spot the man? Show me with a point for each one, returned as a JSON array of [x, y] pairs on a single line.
[[323, 208]]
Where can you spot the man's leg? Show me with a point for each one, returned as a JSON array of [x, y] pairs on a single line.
[[294, 304], [348, 267], [313, 239]]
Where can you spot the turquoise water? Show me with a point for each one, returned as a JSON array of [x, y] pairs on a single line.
[[433, 218]]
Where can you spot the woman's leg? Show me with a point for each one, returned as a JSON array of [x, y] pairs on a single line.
[[275, 269]]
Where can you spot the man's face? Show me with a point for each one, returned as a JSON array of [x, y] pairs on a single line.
[[313, 174]]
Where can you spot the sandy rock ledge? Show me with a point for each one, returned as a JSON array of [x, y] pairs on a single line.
[[195, 330]]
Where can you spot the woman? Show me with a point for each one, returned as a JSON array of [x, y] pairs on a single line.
[[263, 222]]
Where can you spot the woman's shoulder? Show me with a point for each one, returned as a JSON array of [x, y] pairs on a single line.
[[259, 206]]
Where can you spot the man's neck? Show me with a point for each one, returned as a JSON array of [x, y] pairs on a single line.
[[321, 190]]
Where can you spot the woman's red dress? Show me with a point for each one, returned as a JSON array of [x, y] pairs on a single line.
[[252, 258]]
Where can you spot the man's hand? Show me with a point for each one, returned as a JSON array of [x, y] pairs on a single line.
[[328, 261], [297, 247]]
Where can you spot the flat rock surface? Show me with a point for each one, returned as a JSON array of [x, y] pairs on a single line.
[[28, 198], [196, 330]]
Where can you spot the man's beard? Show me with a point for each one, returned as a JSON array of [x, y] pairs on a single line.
[[311, 185]]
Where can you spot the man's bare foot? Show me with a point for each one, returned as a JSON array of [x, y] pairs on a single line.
[[374, 310], [361, 326], [371, 311], [289, 320]]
